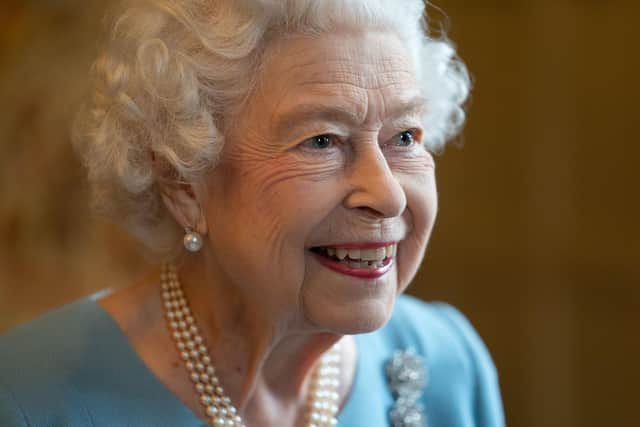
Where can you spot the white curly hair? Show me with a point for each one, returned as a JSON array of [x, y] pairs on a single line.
[[174, 73]]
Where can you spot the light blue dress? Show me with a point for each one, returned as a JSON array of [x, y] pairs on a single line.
[[74, 367]]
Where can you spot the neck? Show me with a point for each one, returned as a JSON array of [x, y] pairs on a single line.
[[263, 357]]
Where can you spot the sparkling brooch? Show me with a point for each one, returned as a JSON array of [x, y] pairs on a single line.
[[407, 377]]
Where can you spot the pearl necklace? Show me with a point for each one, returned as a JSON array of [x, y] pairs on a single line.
[[322, 402]]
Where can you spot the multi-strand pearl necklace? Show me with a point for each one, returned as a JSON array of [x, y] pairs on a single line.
[[322, 401]]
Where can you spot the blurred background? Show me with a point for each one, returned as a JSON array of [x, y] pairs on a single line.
[[537, 240]]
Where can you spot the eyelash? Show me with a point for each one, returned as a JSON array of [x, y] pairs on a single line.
[[415, 136], [325, 137], [329, 138]]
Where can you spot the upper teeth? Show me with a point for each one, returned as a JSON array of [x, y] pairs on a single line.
[[373, 254]]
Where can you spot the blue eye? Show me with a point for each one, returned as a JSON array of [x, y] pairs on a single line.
[[319, 142], [405, 139]]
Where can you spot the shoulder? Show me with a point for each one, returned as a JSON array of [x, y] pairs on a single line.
[[39, 359], [461, 374], [51, 339], [439, 329], [43, 364], [75, 367]]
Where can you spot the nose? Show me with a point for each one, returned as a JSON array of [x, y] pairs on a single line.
[[375, 188]]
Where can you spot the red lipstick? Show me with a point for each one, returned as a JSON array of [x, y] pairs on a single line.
[[364, 273]]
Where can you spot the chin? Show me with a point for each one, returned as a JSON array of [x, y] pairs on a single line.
[[351, 318]]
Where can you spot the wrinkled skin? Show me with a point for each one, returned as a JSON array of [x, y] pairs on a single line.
[[274, 195]]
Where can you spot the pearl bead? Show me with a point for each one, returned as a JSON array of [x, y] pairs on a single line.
[[192, 241]]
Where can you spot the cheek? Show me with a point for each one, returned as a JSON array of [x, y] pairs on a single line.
[[422, 201], [276, 205], [299, 191], [275, 202], [422, 207], [416, 174]]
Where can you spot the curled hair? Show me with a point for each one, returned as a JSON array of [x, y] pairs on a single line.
[[174, 73]]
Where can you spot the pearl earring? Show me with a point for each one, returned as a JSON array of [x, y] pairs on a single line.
[[192, 240]]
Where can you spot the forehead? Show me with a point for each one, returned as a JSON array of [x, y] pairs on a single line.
[[332, 58], [345, 69]]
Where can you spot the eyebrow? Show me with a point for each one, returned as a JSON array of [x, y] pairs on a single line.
[[304, 113]]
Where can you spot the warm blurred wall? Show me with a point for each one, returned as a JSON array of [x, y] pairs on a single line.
[[51, 248], [537, 239]]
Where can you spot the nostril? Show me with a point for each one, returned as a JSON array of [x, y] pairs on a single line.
[[372, 212]]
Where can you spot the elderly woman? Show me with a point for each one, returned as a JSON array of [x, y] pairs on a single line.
[[275, 155]]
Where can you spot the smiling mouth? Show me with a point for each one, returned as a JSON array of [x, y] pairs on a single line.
[[354, 257]]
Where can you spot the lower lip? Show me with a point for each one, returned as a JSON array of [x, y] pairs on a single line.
[[365, 273]]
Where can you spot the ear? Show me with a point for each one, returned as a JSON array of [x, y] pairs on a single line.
[[182, 201]]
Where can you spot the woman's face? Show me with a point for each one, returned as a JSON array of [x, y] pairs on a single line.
[[325, 160]]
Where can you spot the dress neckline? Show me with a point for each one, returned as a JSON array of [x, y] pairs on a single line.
[[356, 385]]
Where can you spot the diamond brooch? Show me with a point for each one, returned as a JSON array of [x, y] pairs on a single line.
[[407, 377]]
